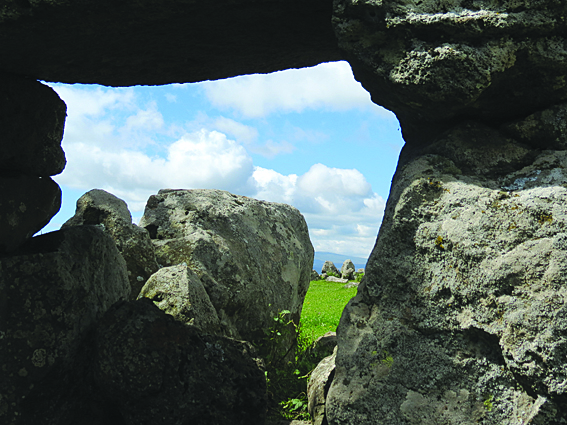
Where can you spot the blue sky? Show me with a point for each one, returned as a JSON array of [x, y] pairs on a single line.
[[309, 137]]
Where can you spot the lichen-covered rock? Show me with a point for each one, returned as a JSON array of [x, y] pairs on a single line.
[[460, 318], [179, 292], [318, 388], [347, 270], [52, 292], [433, 62], [253, 257], [155, 370], [98, 207], [27, 204], [32, 117], [330, 268]]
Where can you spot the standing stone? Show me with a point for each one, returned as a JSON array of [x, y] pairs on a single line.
[[32, 118], [329, 266], [253, 257], [98, 207], [315, 275], [155, 370], [179, 292], [464, 292], [52, 292], [347, 270]]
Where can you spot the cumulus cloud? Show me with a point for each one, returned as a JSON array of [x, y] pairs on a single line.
[[328, 85], [205, 159], [342, 211]]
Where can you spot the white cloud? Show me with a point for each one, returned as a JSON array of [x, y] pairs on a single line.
[[341, 210], [241, 132], [146, 119], [328, 85], [200, 160]]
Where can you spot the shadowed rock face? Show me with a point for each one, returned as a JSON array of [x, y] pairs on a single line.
[[435, 62], [160, 42]]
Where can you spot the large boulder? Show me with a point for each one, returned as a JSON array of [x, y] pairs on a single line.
[[155, 370], [434, 63], [464, 291], [98, 207], [144, 42], [27, 204], [347, 270], [253, 257], [52, 292], [330, 269], [179, 292], [32, 117]]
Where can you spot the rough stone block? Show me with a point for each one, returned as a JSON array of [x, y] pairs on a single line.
[[155, 370], [27, 203], [52, 292], [32, 117]]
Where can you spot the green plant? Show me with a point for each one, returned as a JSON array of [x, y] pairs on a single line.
[[289, 366], [331, 273], [358, 277]]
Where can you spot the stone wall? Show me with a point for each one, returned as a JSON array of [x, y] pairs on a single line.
[[460, 316]]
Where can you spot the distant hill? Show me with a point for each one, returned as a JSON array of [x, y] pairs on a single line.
[[338, 259]]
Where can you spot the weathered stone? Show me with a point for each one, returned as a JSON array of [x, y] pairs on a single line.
[[32, 117], [253, 257], [352, 285], [98, 207], [330, 269], [179, 292], [433, 63], [336, 279], [318, 388], [52, 292], [26, 206], [315, 275], [461, 315], [325, 345], [143, 42], [347, 270], [156, 370]]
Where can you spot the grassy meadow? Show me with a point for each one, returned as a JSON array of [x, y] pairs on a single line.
[[322, 308]]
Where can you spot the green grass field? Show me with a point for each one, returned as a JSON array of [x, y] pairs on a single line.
[[322, 308]]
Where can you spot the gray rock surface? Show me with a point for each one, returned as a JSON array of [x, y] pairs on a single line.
[[347, 270], [318, 388], [156, 370], [460, 317], [98, 207], [52, 292], [329, 266], [253, 257], [179, 292], [27, 204]]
